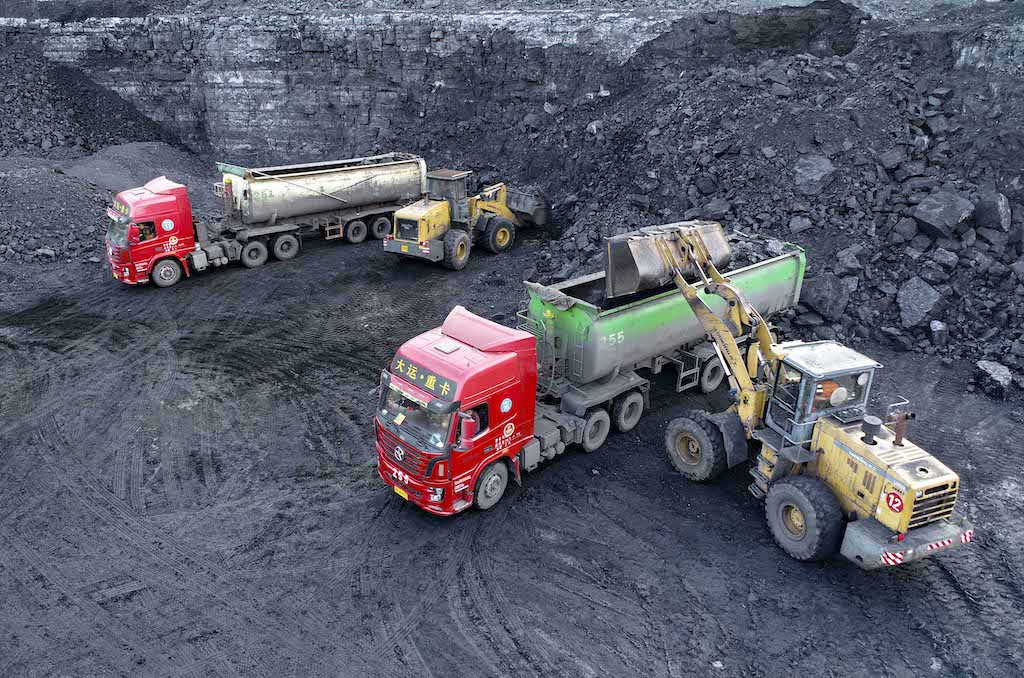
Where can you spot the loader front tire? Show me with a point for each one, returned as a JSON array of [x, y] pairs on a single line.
[[456, 249], [804, 518], [696, 448], [499, 235]]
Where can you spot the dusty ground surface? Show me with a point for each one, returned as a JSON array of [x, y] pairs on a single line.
[[187, 481], [188, 489]]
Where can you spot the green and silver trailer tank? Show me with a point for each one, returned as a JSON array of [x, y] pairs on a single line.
[[585, 338]]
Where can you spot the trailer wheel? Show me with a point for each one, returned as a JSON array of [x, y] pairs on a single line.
[[596, 428], [456, 249], [165, 273], [355, 231], [627, 410], [380, 227], [490, 486], [804, 518], [499, 235], [285, 247], [254, 254], [696, 448], [711, 375]]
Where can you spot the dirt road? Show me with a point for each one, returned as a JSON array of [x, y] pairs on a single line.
[[187, 488]]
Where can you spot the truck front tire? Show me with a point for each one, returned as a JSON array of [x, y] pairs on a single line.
[[696, 448], [490, 486], [627, 410], [499, 235], [285, 247], [595, 430], [804, 518], [456, 249], [355, 231], [380, 227], [254, 254], [165, 273]]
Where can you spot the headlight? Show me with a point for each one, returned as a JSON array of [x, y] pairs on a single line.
[[436, 494]]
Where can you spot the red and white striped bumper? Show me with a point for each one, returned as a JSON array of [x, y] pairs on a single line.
[[871, 545]]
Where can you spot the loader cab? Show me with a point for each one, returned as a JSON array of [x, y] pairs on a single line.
[[816, 380], [451, 186]]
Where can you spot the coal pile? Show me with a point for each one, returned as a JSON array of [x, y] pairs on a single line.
[[892, 168]]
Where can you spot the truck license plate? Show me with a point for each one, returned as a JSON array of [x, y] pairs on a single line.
[[402, 493]]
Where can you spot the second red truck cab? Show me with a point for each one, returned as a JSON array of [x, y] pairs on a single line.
[[456, 407], [149, 224]]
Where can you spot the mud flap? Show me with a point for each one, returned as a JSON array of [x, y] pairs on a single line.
[[735, 437]]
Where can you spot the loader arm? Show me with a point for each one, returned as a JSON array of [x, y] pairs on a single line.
[[743, 319]]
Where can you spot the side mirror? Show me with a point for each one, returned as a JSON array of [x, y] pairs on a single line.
[[467, 430], [133, 235]]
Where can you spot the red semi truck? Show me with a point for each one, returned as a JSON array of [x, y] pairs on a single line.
[[154, 236], [465, 407]]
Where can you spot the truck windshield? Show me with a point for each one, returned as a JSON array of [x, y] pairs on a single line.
[[117, 231], [409, 419]]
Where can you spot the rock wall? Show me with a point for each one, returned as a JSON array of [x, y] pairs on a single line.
[[291, 87]]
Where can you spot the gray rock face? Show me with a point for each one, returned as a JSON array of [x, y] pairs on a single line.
[[993, 378], [993, 211], [942, 213], [916, 299], [827, 294], [813, 173]]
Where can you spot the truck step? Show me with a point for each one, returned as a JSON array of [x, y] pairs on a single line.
[[461, 504], [756, 490], [333, 232]]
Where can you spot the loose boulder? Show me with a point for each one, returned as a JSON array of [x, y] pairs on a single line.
[[993, 211], [813, 174], [941, 214], [916, 300], [827, 294], [993, 378]]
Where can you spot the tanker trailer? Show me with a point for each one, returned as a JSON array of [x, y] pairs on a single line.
[[342, 199], [154, 237], [504, 399]]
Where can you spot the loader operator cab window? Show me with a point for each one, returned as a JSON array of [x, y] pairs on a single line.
[[840, 392], [446, 189]]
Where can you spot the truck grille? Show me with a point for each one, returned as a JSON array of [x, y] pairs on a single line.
[[408, 229], [412, 461], [936, 504]]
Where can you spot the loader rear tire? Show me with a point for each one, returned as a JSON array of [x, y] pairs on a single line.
[[696, 448], [285, 246], [380, 227], [499, 235], [355, 231], [804, 518], [456, 249], [254, 254], [627, 410]]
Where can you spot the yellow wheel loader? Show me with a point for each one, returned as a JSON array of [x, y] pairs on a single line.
[[447, 222], [833, 477]]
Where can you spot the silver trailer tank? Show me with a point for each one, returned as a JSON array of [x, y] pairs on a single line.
[[590, 336], [267, 194]]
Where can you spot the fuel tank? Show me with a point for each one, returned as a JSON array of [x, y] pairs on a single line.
[[270, 193]]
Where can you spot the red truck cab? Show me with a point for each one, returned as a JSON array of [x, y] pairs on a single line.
[[455, 408], [149, 224]]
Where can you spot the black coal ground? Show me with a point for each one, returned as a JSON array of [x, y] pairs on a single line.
[[188, 488]]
